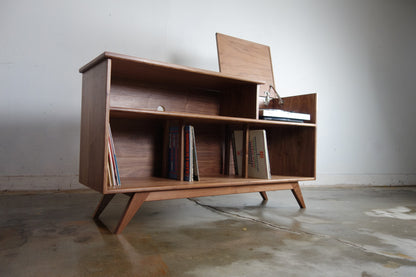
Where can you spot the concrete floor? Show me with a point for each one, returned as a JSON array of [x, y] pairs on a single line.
[[342, 232]]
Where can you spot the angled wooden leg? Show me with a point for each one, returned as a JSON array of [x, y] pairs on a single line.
[[103, 203], [298, 195], [135, 202], [264, 195]]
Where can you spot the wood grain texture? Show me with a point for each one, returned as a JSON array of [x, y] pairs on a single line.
[[139, 147], [240, 102], [210, 140], [298, 195], [246, 136], [125, 92], [245, 59], [132, 207], [194, 118], [306, 103], [132, 185], [94, 115], [263, 195], [180, 98], [292, 151], [156, 72], [106, 198], [200, 192]]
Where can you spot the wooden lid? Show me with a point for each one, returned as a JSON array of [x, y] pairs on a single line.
[[245, 59]]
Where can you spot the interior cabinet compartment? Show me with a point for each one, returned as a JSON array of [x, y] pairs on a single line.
[[292, 150], [141, 147], [142, 96], [138, 146], [219, 101]]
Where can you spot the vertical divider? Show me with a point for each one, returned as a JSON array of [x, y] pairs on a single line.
[[227, 151], [181, 149], [166, 140], [246, 132], [165, 157]]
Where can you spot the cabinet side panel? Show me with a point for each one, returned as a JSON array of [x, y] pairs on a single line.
[[95, 88]]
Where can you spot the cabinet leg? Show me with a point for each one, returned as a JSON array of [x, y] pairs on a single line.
[[135, 202], [298, 195], [264, 195], [103, 203]]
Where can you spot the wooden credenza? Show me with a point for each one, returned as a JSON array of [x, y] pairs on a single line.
[[125, 92]]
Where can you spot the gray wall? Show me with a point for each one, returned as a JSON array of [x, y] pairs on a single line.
[[359, 56]]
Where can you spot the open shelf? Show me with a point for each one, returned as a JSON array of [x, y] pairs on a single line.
[[160, 184], [121, 112]]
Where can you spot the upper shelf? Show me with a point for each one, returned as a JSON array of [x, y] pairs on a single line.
[[128, 67], [192, 117]]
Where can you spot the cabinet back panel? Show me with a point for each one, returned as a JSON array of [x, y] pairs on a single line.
[[130, 94], [209, 145], [240, 102], [139, 147]]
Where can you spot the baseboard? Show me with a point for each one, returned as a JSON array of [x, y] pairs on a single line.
[[19, 183], [363, 180], [27, 183]]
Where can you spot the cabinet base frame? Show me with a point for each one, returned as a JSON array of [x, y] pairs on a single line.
[[138, 198]]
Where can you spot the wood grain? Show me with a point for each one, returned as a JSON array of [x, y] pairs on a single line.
[[298, 195], [125, 92], [106, 198], [163, 184], [139, 147], [245, 59], [194, 118], [132, 207], [306, 103], [210, 140], [263, 195], [292, 151], [94, 115], [142, 95], [240, 102], [200, 192], [156, 72]]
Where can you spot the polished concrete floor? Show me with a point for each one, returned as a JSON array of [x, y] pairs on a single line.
[[342, 232]]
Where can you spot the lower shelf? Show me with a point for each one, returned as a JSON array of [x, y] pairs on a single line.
[[154, 184], [187, 190]]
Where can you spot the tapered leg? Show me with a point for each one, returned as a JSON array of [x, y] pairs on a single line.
[[132, 207], [103, 203], [298, 195], [264, 195]]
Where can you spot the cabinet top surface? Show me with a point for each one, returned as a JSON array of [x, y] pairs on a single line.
[[120, 60]]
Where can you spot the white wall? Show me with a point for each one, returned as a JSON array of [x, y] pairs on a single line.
[[359, 56]]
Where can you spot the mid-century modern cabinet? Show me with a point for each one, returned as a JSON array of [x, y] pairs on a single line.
[[140, 99]]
